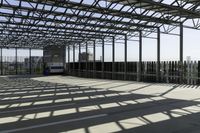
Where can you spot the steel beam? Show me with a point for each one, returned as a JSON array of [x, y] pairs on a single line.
[[113, 57], [158, 56]]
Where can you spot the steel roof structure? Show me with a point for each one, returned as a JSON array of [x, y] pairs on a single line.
[[38, 23]]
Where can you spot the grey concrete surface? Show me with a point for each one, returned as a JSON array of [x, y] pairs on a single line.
[[60, 104]]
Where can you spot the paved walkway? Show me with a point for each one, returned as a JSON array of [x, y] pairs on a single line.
[[79, 105]]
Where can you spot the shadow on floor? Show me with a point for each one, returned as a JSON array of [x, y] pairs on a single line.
[[33, 106]]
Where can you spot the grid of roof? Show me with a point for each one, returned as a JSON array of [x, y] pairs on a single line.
[[37, 23]]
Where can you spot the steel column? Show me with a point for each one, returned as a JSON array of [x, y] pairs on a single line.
[[79, 59], [16, 62], [94, 59], [64, 61], [68, 59], [181, 42], [43, 62], [103, 48], [125, 57], [181, 52], [1, 62], [140, 57], [113, 57], [158, 56], [73, 71], [87, 55], [30, 62]]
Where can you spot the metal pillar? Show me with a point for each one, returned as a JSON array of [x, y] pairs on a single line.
[[73, 71], [94, 59], [64, 60], [158, 56], [1, 62], [140, 57], [16, 64], [125, 57], [103, 69], [79, 59], [181, 42], [30, 62], [113, 58], [68, 59], [181, 52], [87, 55], [43, 62]]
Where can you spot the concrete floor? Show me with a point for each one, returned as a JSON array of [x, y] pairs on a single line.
[[79, 105]]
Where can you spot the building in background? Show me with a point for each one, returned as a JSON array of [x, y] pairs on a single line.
[[36, 63], [83, 57]]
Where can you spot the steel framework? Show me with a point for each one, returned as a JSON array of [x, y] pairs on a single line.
[[37, 23], [91, 23]]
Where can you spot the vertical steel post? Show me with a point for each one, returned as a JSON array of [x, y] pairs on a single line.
[[94, 59], [103, 48], [69, 59], [79, 59], [1, 62], [113, 57], [140, 57], [43, 60], [125, 57], [64, 59], [30, 62], [181, 42], [158, 56], [87, 55], [16, 64], [73, 71], [181, 52]]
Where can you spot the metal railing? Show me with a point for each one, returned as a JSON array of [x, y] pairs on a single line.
[[169, 71]]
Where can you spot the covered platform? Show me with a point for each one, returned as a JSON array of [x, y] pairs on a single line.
[[95, 95]]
